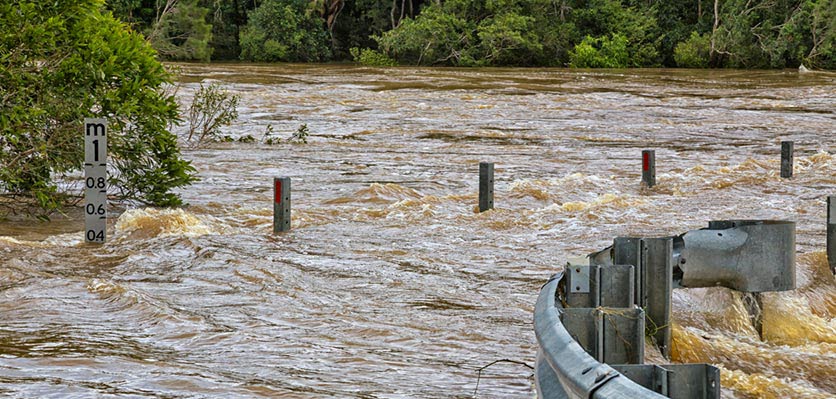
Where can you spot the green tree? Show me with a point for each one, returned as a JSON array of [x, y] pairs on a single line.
[[353, 23], [180, 31], [284, 30], [693, 53], [433, 37], [603, 52], [775, 34], [464, 32], [177, 29], [61, 62], [603, 19]]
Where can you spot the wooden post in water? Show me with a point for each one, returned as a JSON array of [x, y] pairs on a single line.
[[786, 159], [281, 204], [485, 186], [831, 232], [649, 168]]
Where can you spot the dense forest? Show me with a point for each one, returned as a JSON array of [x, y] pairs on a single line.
[[576, 33]]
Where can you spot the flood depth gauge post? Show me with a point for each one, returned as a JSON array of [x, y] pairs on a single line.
[[95, 180]]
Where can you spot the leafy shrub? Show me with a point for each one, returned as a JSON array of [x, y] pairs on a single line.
[[601, 52], [211, 109], [284, 30], [466, 33], [300, 135], [87, 65], [268, 137], [694, 52], [371, 57], [434, 37]]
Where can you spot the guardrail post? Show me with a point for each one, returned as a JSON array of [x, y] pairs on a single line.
[[786, 159], [485, 186], [658, 267], [615, 286], [831, 232], [281, 204], [580, 280], [628, 251], [649, 168]]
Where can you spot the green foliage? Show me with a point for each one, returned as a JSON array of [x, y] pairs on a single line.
[[508, 39], [61, 62], [211, 109], [434, 37], [776, 34], [768, 33], [371, 57], [694, 52], [357, 21], [600, 52], [284, 30], [247, 138], [300, 136], [268, 137], [462, 32], [182, 32], [608, 18]]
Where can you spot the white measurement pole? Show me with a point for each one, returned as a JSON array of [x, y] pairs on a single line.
[[95, 180]]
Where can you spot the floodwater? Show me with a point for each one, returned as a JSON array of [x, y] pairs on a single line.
[[390, 284]]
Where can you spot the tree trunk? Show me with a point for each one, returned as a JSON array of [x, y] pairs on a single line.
[[712, 58]]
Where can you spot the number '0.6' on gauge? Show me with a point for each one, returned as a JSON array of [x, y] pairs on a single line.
[[95, 180]]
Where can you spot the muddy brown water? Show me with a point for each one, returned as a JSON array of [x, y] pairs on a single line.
[[390, 284]]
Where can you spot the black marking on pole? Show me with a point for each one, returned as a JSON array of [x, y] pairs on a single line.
[[281, 204], [485, 186], [649, 168], [831, 232], [786, 159]]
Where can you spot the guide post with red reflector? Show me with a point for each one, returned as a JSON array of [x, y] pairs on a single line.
[[786, 159], [649, 168], [485, 186], [281, 204]]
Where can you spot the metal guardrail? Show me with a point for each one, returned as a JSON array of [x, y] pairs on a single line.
[[744, 255], [564, 369], [595, 313]]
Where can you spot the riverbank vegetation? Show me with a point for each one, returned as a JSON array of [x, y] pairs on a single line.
[[576, 33], [61, 62]]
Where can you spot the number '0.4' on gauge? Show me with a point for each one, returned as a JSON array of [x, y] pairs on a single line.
[[95, 180]]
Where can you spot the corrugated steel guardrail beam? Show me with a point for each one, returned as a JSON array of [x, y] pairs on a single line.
[[579, 374]]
